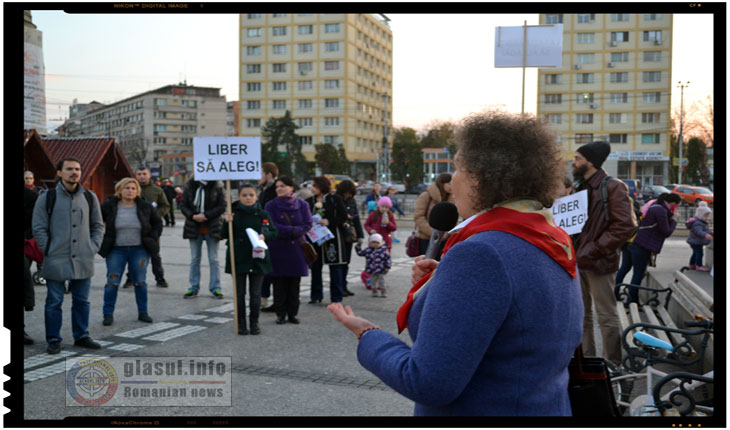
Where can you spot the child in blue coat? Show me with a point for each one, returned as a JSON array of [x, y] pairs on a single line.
[[700, 235], [377, 263]]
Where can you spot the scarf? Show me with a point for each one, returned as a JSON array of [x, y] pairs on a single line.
[[199, 201], [289, 198], [525, 219]]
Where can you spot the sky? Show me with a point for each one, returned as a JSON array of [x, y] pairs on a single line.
[[442, 64]]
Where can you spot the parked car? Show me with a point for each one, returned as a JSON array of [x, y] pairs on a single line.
[[365, 187], [653, 191], [336, 179], [399, 187], [694, 195], [416, 188], [634, 189], [671, 187]]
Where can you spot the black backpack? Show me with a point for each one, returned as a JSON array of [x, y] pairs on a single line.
[[51, 202]]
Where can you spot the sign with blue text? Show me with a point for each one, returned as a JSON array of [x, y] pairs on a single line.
[[571, 212], [226, 158]]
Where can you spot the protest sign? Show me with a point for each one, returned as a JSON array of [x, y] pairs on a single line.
[[226, 158], [571, 212]]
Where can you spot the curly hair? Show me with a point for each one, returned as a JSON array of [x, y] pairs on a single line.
[[511, 156], [323, 184], [346, 186]]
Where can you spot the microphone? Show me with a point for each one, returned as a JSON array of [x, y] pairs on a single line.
[[443, 217]]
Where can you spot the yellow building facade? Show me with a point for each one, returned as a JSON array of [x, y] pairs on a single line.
[[614, 85], [333, 72]]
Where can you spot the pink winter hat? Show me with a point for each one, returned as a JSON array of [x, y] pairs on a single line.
[[385, 201]]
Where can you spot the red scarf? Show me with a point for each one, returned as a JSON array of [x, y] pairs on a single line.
[[536, 227]]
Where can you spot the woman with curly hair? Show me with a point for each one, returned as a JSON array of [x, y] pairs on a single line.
[[494, 324]]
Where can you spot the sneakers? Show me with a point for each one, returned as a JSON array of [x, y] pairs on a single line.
[[396, 240], [87, 342], [703, 269], [162, 283], [264, 302], [217, 294], [108, 320], [692, 267], [190, 293], [145, 317], [54, 347]]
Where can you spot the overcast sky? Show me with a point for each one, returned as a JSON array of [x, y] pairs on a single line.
[[442, 64]]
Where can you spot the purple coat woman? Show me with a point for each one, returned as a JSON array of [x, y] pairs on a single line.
[[291, 216]]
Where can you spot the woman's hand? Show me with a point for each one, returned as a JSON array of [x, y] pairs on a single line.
[[348, 319], [229, 217], [324, 222], [422, 267], [261, 237]]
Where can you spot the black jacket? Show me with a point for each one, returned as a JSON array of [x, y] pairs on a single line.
[[215, 206], [267, 194], [151, 225]]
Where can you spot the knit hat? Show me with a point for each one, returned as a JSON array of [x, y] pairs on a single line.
[[702, 211], [595, 152], [385, 201], [702, 203], [375, 237]]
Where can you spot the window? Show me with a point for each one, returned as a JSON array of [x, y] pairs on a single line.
[[161, 102], [279, 67], [186, 140], [279, 104], [278, 49], [650, 117], [161, 115], [160, 127], [330, 140], [586, 58], [304, 122], [253, 122], [331, 121], [651, 97], [189, 103], [331, 103], [254, 15], [584, 98], [162, 140], [554, 118], [619, 36], [304, 85], [303, 48], [305, 67], [279, 15], [583, 138], [653, 36], [305, 29], [652, 16], [585, 17], [253, 50], [331, 46], [651, 76], [553, 99], [617, 118], [650, 138], [305, 103], [253, 104], [652, 56], [253, 68], [619, 77], [584, 78], [332, 65], [331, 83], [254, 32], [618, 138], [586, 37], [278, 31], [554, 18], [619, 57], [253, 86], [189, 128], [584, 118], [619, 97], [332, 28], [552, 78], [619, 17], [305, 140], [279, 86]]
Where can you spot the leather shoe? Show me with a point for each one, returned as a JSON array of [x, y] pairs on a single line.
[[162, 283], [268, 309], [294, 320], [255, 330], [145, 317], [54, 347], [27, 340], [87, 342], [108, 320], [312, 302], [280, 320], [347, 293]]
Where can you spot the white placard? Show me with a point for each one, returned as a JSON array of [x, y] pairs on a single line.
[[544, 46], [222, 158], [34, 88], [256, 241], [571, 212]]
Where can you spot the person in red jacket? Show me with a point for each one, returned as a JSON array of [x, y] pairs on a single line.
[[382, 221]]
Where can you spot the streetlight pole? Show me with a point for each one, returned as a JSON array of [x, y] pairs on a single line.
[[681, 127]]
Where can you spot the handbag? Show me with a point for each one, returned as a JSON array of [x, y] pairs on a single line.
[[33, 251], [412, 245], [350, 234], [310, 254], [589, 387]]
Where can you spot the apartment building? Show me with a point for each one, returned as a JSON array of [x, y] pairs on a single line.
[[614, 85], [154, 123], [333, 72]]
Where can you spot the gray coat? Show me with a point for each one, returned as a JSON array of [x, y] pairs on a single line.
[[72, 249]]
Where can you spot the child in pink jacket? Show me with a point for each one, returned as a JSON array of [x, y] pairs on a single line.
[[382, 221]]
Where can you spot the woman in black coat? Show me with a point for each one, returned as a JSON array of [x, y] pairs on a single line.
[[347, 190], [132, 229]]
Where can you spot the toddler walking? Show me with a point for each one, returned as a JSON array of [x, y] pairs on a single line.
[[699, 236], [377, 263]]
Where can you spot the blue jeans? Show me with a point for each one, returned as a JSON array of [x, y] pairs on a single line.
[[698, 253], [137, 259], [79, 308], [639, 261], [338, 273], [196, 249], [625, 264]]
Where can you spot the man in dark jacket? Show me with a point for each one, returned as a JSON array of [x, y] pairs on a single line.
[[267, 193], [598, 246], [29, 198], [170, 194], [203, 204]]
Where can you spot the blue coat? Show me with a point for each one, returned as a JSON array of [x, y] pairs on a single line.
[[493, 333], [697, 231], [287, 258]]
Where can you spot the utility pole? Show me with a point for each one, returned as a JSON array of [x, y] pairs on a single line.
[[681, 127]]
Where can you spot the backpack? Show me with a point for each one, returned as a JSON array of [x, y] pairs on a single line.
[[604, 196], [51, 202]]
